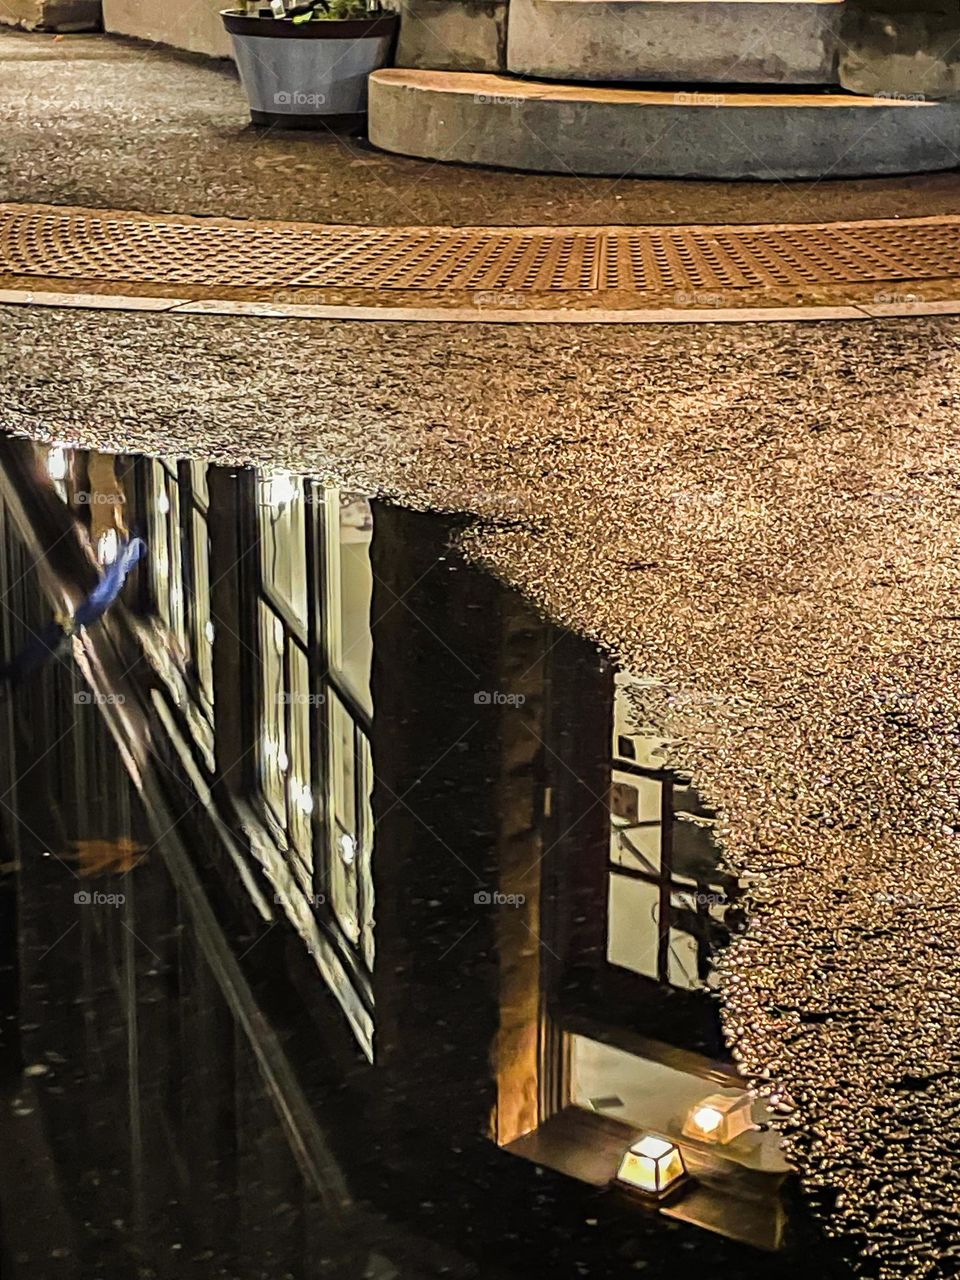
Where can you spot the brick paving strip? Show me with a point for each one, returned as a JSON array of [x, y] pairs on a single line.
[[58, 256]]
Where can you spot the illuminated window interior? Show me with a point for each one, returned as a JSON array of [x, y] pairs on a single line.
[[650, 1095]]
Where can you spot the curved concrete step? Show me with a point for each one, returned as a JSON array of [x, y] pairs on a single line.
[[784, 42], [474, 118]]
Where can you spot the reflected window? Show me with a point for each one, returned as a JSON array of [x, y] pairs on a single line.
[[179, 556], [347, 596], [349, 591], [166, 542], [281, 500], [274, 760], [299, 792], [58, 463], [668, 899], [350, 827], [198, 595], [284, 747], [315, 646], [286, 771], [646, 1094]]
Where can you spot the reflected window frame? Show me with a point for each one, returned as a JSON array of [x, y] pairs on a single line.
[[333, 863], [283, 639], [174, 497]]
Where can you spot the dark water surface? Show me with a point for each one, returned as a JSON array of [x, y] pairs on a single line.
[[352, 926]]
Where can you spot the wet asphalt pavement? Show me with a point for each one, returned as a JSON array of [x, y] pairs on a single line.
[[763, 518]]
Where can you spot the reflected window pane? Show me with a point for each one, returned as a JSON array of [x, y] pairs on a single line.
[[365, 851], [343, 828], [633, 740], [283, 548], [635, 822], [274, 760], [198, 484], [299, 793], [349, 591], [633, 934], [167, 544], [200, 608]]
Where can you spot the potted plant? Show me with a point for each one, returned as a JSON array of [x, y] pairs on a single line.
[[305, 65]]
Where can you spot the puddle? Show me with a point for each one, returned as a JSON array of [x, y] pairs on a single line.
[[360, 926]]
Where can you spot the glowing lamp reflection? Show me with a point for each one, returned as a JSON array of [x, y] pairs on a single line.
[[720, 1118], [707, 1119], [652, 1165]]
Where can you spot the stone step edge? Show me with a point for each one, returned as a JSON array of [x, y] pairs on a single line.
[[482, 84]]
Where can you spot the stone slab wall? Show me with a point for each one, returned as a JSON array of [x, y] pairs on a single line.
[[52, 15], [453, 35], [185, 24], [782, 42], [902, 48]]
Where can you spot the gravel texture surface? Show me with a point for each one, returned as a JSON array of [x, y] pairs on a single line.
[[763, 518], [108, 123]]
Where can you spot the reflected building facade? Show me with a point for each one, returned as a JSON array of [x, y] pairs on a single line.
[[424, 809]]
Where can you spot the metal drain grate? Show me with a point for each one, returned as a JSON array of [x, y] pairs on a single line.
[[117, 248], [660, 259]]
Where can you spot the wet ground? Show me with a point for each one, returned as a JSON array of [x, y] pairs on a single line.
[[114, 124], [763, 519]]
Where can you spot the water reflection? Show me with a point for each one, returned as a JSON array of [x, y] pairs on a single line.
[[413, 917]]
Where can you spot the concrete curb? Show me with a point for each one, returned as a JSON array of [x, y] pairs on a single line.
[[478, 315]]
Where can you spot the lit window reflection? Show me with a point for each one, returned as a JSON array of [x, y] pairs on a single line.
[[668, 899], [315, 761], [349, 590], [283, 541]]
